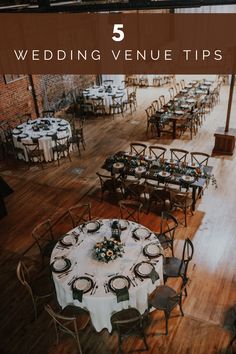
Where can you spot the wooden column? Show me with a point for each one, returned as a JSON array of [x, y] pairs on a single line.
[[225, 137]]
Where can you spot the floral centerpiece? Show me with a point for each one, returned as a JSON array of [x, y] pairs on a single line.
[[108, 250]]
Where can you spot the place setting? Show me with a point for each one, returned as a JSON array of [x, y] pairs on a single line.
[[145, 269], [152, 250], [92, 226], [141, 234], [82, 285], [61, 266], [119, 285]]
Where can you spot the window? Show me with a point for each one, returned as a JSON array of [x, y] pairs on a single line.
[[11, 78]]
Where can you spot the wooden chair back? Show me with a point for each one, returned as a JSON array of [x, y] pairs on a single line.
[[157, 151], [199, 158], [138, 149], [179, 154], [80, 214], [171, 92], [156, 106], [130, 210], [187, 255], [65, 324], [50, 113], [162, 100]]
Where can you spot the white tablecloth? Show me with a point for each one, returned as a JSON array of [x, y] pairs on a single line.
[[46, 142], [99, 91], [101, 305]]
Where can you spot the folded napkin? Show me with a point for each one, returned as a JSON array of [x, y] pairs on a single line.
[[19, 138], [154, 276], [122, 294], [77, 294]]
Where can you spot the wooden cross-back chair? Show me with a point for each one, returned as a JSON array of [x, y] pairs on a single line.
[[98, 106], [175, 267], [36, 293], [199, 158], [50, 113], [168, 227], [171, 92], [109, 184], [165, 298], [181, 200], [44, 238], [162, 100], [151, 118], [138, 149], [157, 151], [133, 189], [61, 148], [130, 210], [177, 88], [80, 213], [157, 194], [69, 324], [127, 322], [180, 155], [182, 83], [156, 105], [117, 105], [34, 153]]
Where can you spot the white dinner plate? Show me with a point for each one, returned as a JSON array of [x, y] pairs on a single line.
[[140, 169], [142, 233], [68, 240], [118, 165], [22, 136], [164, 174], [83, 284], [143, 269], [149, 158], [92, 226], [16, 131], [60, 265], [118, 282], [152, 250], [123, 224], [188, 179]]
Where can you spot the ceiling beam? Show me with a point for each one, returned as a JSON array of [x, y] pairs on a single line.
[[93, 6]]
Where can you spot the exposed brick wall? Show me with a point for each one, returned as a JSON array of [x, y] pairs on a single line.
[[16, 98], [51, 89]]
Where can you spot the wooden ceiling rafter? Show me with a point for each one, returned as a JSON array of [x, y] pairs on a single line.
[[101, 6]]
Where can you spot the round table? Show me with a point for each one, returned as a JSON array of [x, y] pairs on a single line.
[[102, 92], [101, 304], [25, 133]]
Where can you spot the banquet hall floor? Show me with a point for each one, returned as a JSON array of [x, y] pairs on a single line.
[[206, 327]]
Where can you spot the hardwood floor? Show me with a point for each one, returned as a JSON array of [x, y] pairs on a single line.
[[206, 327]]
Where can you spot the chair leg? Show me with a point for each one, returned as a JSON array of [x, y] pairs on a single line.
[[167, 315], [120, 343], [144, 339], [78, 343], [185, 217], [180, 305], [172, 248]]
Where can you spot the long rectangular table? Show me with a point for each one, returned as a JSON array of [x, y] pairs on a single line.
[[152, 172]]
